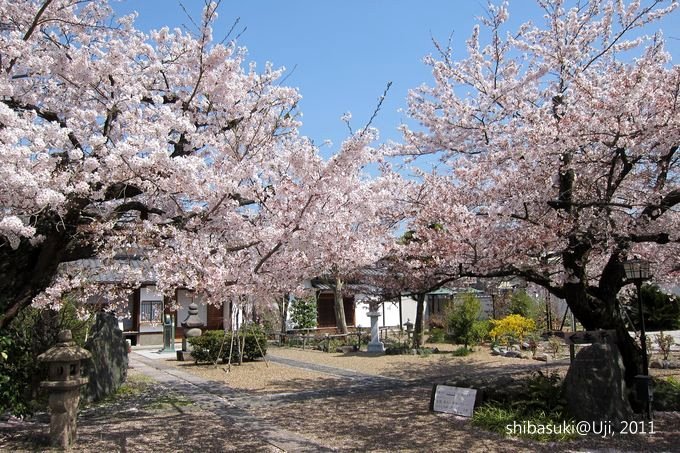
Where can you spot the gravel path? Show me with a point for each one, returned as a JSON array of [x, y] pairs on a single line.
[[306, 401]]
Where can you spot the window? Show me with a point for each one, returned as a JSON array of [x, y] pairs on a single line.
[[151, 311]]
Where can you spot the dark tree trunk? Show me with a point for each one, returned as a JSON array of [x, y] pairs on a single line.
[[597, 307], [420, 321], [340, 321], [28, 270]]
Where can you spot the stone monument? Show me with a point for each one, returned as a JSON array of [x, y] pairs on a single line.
[[595, 385], [375, 345], [107, 370]]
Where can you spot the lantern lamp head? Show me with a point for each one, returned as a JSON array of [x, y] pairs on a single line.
[[636, 269]]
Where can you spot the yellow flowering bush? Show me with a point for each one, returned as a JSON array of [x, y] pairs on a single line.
[[512, 327]]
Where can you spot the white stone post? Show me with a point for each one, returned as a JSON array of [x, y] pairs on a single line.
[[375, 344]]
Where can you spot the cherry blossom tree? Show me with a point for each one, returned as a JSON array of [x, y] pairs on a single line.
[[559, 154], [355, 227], [160, 146], [326, 218]]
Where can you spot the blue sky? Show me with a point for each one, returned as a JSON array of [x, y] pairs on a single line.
[[342, 53]]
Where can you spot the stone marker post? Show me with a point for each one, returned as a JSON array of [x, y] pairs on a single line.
[[375, 344], [63, 384], [192, 328]]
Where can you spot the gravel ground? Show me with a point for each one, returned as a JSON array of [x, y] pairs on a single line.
[[271, 377], [329, 410], [260, 377]]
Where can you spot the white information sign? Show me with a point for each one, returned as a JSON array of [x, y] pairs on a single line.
[[453, 400]]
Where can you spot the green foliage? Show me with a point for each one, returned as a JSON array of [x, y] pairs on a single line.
[[511, 328], [522, 304], [332, 344], [494, 417], [461, 318], [666, 394], [207, 347], [462, 352], [543, 394], [539, 402], [303, 312], [30, 334], [481, 329], [664, 342], [500, 419], [436, 335], [662, 311]]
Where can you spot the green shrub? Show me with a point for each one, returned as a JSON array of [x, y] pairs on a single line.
[[481, 329], [303, 313], [30, 334], [543, 394], [462, 352], [523, 304], [207, 347], [661, 310], [666, 394], [461, 318], [501, 419], [332, 344], [494, 417], [539, 402], [436, 335]]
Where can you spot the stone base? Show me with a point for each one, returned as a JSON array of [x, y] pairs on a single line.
[[64, 410], [376, 347], [184, 356]]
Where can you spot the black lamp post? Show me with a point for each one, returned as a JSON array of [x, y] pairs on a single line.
[[637, 271]]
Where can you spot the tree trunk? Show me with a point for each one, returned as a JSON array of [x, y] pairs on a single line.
[[340, 321], [284, 304], [228, 316], [420, 321], [30, 269]]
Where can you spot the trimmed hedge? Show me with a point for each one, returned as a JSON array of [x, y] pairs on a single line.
[[207, 347]]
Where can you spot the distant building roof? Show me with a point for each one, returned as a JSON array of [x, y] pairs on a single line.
[[109, 272]]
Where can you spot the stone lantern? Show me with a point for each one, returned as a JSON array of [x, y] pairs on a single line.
[[63, 385], [409, 330], [192, 328]]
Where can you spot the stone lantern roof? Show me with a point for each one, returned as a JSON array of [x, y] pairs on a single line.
[[65, 350]]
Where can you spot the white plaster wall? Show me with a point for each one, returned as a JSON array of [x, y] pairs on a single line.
[[389, 312]]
